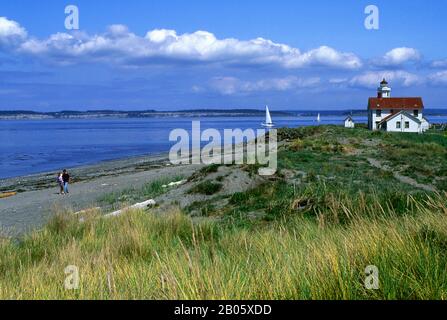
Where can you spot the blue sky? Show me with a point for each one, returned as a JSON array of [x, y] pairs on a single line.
[[168, 55]]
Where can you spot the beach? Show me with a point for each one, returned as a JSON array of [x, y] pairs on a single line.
[[37, 195]]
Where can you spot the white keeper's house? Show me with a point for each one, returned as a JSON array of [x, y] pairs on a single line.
[[396, 114]]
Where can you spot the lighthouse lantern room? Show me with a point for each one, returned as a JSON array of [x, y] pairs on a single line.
[[384, 91]]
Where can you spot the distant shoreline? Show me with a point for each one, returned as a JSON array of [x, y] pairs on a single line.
[[97, 114], [109, 114]]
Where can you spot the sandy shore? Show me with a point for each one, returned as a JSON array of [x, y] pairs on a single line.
[[38, 197]]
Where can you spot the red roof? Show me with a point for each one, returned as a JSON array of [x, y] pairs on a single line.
[[395, 103]]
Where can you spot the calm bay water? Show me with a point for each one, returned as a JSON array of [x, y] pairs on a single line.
[[28, 147]]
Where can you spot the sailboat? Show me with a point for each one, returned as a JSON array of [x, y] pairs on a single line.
[[268, 119], [318, 118]]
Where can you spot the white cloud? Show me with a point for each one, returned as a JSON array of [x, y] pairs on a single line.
[[439, 63], [399, 56], [10, 31], [372, 79], [439, 78], [231, 85], [161, 35], [328, 56], [119, 45], [117, 30], [338, 80]]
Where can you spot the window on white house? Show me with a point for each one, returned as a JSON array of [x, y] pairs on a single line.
[[416, 113], [407, 124], [398, 125], [378, 113]]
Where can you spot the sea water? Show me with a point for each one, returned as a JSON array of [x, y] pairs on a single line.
[[34, 146]]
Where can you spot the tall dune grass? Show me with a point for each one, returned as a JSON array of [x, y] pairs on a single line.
[[142, 256]]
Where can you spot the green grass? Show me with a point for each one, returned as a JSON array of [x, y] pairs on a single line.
[[133, 195], [205, 171], [141, 256], [207, 188], [201, 208], [308, 233], [422, 157]]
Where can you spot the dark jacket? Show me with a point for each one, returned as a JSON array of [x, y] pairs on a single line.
[[66, 177]]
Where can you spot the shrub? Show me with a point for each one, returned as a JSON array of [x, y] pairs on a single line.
[[297, 145], [204, 172], [207, 188]]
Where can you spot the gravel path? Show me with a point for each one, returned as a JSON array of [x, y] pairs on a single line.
[[404, 179]]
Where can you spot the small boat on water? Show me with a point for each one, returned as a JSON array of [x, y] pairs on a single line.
[[318, 118], [268, 119]]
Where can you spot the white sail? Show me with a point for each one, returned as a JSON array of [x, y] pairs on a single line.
[[318, 118], [268, 118]]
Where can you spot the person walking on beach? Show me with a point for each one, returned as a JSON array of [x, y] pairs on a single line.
[[60, 181], [66, 180]]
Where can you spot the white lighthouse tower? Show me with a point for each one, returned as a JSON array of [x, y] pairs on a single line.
[[384, 91]]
